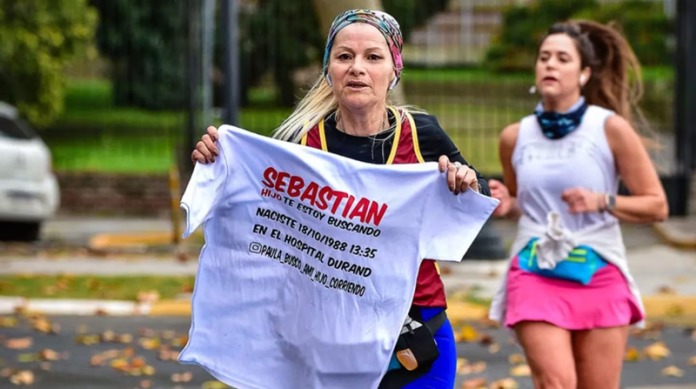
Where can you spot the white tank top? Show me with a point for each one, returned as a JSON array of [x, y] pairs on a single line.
[[546, 167]]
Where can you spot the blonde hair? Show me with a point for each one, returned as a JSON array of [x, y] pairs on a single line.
[[317, 104]]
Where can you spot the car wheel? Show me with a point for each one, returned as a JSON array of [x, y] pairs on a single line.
[[20, 231]]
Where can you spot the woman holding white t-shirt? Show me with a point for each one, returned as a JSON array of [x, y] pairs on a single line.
[[347, 112]]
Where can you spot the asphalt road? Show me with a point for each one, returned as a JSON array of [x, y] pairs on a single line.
[[73, 370]]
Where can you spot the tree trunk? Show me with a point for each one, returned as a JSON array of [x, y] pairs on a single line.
[[327, 11]]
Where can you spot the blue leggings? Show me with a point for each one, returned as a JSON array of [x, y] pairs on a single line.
[[441, 374]]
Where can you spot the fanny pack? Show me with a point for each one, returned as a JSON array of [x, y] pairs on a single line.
[[416, 345], [580, 265]]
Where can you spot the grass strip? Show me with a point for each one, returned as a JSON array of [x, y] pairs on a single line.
[[94, 287]]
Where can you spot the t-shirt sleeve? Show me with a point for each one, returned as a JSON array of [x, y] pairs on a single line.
[[451, 222], [206, 186]]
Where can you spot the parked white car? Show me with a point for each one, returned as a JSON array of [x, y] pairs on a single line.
[[29, 192]]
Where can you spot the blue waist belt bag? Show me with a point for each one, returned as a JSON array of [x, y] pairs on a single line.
[[580, 265]]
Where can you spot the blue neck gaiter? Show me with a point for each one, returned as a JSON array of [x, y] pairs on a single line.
[[556, 125]]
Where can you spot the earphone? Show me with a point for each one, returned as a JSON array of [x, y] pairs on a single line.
[[393, 83]]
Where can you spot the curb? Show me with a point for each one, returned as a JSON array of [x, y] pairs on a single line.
[[668, 308], [140, 240], [12, 305]]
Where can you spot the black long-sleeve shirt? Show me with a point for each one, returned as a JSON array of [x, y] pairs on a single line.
[[433, 141]]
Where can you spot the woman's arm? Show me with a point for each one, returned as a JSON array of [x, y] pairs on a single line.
[[647, 202], [507, 192]]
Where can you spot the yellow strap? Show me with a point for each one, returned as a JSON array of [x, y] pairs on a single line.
[[322, 136], [397, 135]]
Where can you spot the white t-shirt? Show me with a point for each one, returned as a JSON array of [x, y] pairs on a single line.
[[310, 261]]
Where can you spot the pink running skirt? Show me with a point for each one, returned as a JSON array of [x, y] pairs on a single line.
[[605, 302]]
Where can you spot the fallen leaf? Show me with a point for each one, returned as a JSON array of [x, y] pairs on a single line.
[[473, 368], [167, 354], [146, 333], [461, 362], [5, 372], [22, 377], [180, 341], [87, 339], [692, 361], [632, 355], [476, 383], [672, 371], [466, 334], [148, 296], [124, 338], [666, 289], [505, 383], [516, 359], [494, 348], [20, 310], [107, 336], [168, 334], [148, 370], [137, 363], [19, 343], [214, 385], [127, 352], [522, 370], [486, 340], [145, 384], [27, 357], [96, 360], [182, 377], [150, 343], [8, 322], [47, 354], [656, 351], [119, 364], [42, 325]]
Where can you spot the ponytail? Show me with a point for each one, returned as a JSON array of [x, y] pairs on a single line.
[[616, 81]]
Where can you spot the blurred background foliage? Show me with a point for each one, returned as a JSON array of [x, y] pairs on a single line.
[[37, 39], [124, 64], [643, 22]]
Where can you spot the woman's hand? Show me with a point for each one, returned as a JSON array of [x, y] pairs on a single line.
[[581, 200], [459, 177], [500, 191], [205, 150]]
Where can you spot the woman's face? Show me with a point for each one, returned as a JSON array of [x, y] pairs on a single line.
[[360, 66], [558, 67]]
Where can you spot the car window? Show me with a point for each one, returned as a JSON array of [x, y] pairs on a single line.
[[15, 128]]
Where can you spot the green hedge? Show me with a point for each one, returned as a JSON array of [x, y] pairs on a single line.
[[644, 24]]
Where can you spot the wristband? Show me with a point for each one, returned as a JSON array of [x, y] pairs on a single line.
[[610, 202]]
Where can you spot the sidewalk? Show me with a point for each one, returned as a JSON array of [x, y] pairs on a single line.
[[662, 260]]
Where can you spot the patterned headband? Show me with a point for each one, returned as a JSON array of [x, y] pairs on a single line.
[[385, 23]]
